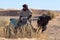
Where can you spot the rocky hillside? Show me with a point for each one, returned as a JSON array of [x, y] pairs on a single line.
[[16, 12]]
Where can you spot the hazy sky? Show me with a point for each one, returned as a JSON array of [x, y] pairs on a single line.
[[37, 4]]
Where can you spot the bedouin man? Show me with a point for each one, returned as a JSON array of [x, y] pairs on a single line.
[[25, 12]]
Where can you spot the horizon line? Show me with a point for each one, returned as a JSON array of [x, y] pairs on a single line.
[[29, 8]]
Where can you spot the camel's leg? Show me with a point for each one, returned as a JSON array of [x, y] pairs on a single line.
[[44, 28], [38, 29]]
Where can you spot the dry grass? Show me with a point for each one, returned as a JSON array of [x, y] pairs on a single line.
[[23, 32]]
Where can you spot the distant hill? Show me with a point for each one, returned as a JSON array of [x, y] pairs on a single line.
[[16, 12]]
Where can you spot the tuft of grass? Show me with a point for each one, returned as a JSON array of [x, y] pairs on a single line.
[[22, 32]]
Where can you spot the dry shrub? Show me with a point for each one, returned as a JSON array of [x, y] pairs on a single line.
[[52, 14], [22, 32], [25, 32], [2, 32], [3, 25], [4, 22]]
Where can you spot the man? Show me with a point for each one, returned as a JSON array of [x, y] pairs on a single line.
[[25, 13]]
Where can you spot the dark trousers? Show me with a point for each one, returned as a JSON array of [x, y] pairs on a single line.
[[18, 24]]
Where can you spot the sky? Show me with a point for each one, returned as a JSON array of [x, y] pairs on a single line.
[[35, 4]]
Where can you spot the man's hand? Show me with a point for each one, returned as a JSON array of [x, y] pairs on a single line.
[[29, 17], [20, 18]]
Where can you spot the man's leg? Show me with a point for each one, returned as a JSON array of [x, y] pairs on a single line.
[[18, 25]]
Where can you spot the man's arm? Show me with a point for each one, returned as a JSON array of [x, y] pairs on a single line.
[[20, 14], [30, 14]]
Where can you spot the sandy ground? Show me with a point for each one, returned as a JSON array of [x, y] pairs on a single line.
[[53, 28], [18, 39]]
